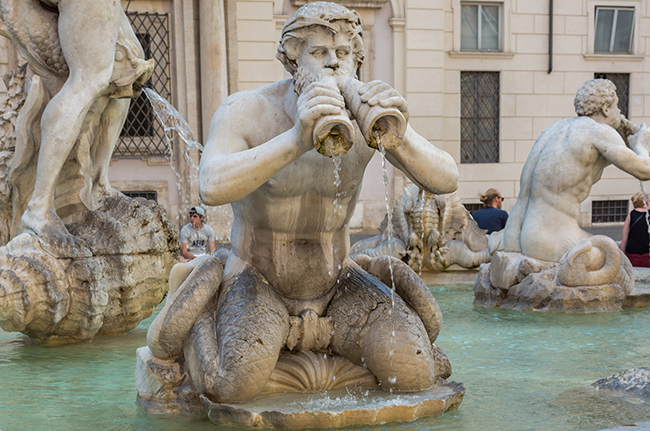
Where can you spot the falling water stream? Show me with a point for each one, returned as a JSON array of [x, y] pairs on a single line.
[[389, 229], [173, 121]]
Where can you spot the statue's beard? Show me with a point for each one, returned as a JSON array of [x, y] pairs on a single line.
[[303, 77]]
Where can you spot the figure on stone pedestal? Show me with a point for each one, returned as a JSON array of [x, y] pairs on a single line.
[[85, 259], [88, 58], [567, 159], [288, 284]]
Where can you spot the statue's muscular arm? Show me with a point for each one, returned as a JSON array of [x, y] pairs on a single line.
[[427, 166], [635, 162], [237, 159]]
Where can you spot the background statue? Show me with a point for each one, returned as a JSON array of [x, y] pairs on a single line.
[[84, 79], [431, 232], [83, 258], [288, 286], [542, 232]]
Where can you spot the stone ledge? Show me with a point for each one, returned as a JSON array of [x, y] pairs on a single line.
[[336, 408], [371, 4]]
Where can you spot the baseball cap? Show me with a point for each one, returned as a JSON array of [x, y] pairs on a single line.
[[197, 210]]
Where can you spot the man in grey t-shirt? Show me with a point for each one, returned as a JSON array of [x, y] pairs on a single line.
[[197, 238]]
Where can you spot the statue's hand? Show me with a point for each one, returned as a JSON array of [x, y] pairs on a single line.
[[640, 141], [317, 100], [379, 93]]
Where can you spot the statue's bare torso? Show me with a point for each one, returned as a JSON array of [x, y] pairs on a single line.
[[294, 228], [567, 166], [564, 164]]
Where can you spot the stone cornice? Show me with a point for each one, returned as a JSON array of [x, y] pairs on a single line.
[[367, 4]]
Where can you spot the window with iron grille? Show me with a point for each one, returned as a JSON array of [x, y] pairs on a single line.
[[622, 83], [472, 208], [143, 135], [614, 30], [480, 27], [151, 195], [608, 211], [479, 117]]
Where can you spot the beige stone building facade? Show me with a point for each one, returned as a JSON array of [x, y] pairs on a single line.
[[482, 78]]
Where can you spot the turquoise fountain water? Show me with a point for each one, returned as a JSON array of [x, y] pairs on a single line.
[[522, 371]]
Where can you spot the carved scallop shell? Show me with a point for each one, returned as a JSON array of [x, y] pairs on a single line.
[[33, 290], [307, 371]]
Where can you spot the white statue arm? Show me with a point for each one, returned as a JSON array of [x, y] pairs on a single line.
[[633, 159], [427, 166], [234, 165]]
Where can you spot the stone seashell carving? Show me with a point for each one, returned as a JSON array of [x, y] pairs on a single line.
[[56, 300], [307, 371]]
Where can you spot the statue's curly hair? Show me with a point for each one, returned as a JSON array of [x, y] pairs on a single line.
[[324, 14], [593, 96]]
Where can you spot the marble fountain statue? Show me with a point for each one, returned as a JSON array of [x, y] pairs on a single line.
[[80, 259], [549, 263], [433, 232], [245, 334]]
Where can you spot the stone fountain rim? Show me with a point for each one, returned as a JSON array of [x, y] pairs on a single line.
[[434, 402]]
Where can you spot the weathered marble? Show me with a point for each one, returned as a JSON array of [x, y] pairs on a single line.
[[339, 408], [57, 300], [290, 311], [81, 259], [549, 263], [431, 232]]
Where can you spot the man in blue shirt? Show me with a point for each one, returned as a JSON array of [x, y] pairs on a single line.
[[491, 217]]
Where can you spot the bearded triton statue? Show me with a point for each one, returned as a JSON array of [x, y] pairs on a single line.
[[289, 311]]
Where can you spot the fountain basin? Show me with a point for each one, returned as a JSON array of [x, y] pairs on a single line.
[[339, 408]]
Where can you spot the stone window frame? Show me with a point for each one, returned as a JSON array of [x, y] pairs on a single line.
[[614, 28], [609, 210], [592, 5], [505, 28], [490, 147]]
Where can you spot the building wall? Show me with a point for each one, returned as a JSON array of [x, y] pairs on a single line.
[[532, 98], [413, 45]]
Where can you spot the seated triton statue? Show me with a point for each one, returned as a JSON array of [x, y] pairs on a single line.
[[566, 161], [288, 284]]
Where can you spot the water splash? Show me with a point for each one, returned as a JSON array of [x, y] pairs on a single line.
[[173, 121], [338, 208]]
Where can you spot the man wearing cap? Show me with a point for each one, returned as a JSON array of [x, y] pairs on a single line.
[[197, 238]]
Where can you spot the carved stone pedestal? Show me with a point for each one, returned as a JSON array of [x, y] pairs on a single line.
[[56, 299], [306, 390]]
